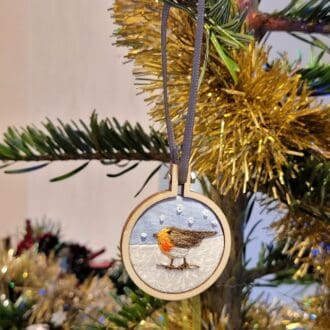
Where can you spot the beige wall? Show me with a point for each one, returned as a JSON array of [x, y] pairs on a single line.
[[13, 99], [57, 60]]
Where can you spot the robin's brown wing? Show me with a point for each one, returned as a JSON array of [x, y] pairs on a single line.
[[184, 238]]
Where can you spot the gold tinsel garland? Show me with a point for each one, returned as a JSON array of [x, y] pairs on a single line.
[[56, 297], [245, 132], [39, 279], [307, 243]]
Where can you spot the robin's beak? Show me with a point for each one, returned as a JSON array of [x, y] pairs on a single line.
[[155, 235]]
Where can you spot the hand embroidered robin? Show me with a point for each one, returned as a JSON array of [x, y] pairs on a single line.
[[176, 243]]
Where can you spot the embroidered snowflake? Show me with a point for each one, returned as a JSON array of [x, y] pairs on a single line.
[[214, 223], [144, 236], [179, 209], [206, 214], [161, 218]]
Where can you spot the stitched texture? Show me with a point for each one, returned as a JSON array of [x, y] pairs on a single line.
[[176, 244]]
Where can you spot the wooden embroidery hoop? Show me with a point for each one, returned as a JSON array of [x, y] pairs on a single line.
[[145, 205]]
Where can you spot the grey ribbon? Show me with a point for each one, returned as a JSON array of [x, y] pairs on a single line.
[[183, 160]]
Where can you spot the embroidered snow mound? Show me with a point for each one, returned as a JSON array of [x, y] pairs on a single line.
[[149, 264]]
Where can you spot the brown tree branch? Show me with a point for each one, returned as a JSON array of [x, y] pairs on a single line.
[[258, 272], [262, 22]]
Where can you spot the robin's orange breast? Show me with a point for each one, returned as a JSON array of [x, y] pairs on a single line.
[[165, 245]]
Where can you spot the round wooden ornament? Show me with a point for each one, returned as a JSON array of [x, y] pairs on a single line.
[[175, 245]]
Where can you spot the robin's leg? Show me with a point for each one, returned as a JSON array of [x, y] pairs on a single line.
[[185, 264], [170, 266]]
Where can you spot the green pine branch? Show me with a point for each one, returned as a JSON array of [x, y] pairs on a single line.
[[271, 259], [139, 307], [273, 262], [309, 186], [317, 76], [311, 11], [14, 316], [223, 27], [287, 277], [102, 140], [313, 41], [105, 140]]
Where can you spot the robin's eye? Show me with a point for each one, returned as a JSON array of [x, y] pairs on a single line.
[[169, 232]]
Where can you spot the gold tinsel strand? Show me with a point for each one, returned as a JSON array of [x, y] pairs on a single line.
[[244, 132]]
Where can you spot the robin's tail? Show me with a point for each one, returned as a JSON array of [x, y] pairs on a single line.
[[205, 234]]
